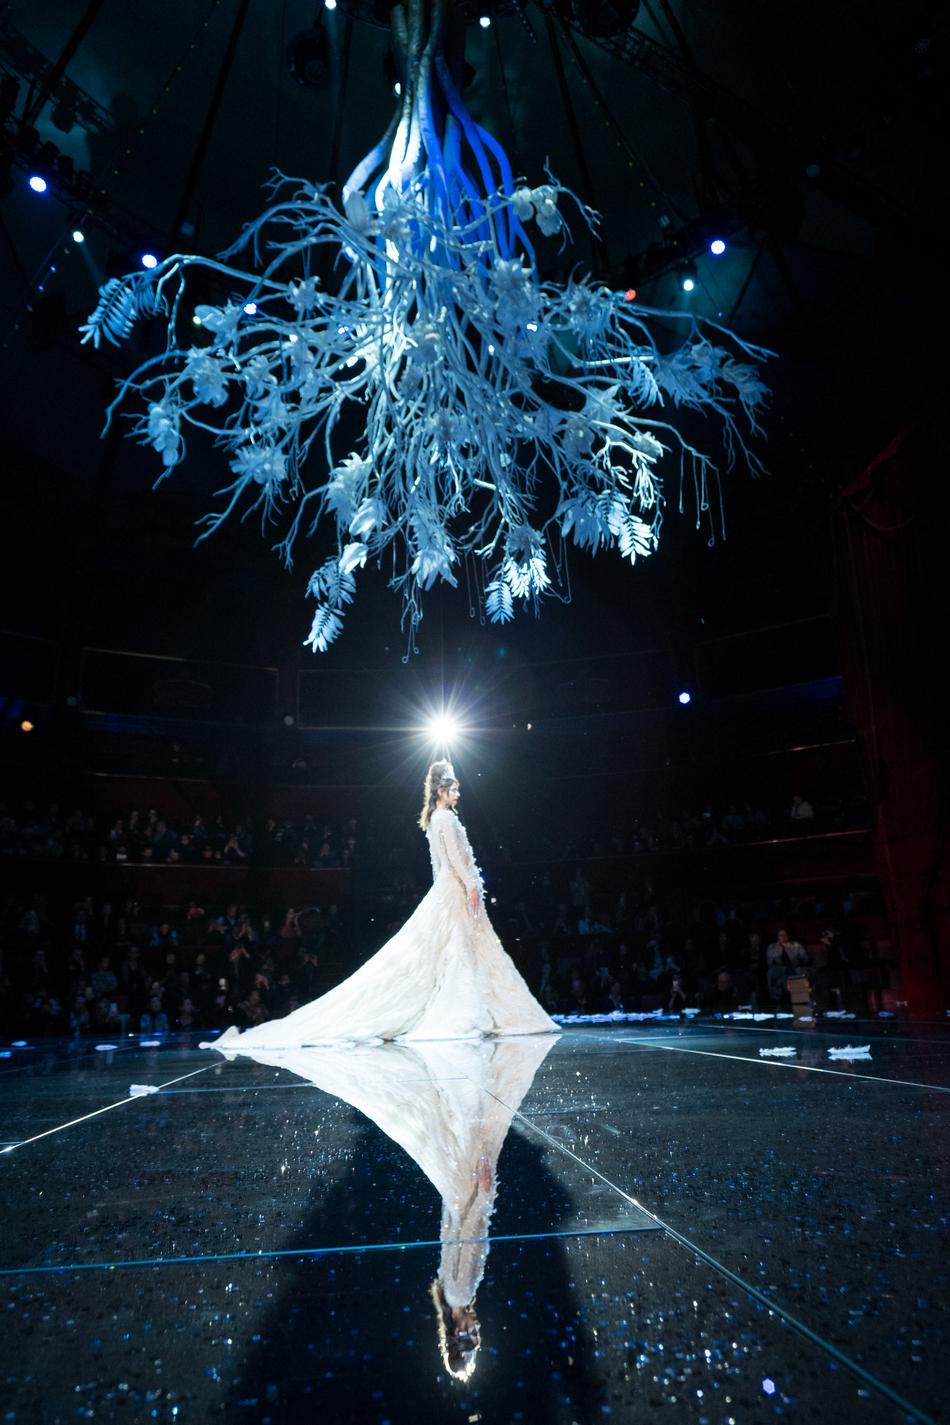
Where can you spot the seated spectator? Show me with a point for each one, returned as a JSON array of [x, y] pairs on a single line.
[[106, 1017], [162, 839], [132, 976], [801, 811], [327, 859], [723, 995], [283, 1000], [154, 1020], [615, 999], [677, 997], [751, 975], [232, 852], [103, 980], [654, 958], [834, 976], [578, 1001], [202, 983], [186, 1017], [797, 956], [239, 967], [580, 891], [252, 1009], [305, 974], [244, 932], [781, 957], [80, 1017], [638, 984], [290, 933], [304, 852], [163, 936], [593, 925], [76, 964], [219, 933], [221, 1012]]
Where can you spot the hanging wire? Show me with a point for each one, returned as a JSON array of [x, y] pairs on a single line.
[[598, 247], [634, 158], [279, 81], [512, 134], [123, 161]]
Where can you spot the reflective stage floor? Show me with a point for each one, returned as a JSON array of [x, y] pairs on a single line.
[[677, 1226]]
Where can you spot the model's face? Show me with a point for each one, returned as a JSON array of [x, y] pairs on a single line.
[[448, 796], [466, 1324]]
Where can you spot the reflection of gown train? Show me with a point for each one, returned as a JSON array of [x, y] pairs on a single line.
[[444, 975], [450, 1107]]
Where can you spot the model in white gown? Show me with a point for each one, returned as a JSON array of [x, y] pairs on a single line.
[[444, 975], [449, 1106]]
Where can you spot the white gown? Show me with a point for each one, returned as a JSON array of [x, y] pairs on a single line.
[[444, 975], [449, 1106]]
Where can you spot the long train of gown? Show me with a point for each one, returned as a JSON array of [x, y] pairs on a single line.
[[443, 975], [449, 1106]]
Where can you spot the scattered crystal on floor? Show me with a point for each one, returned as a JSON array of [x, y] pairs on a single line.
[[662, 1216]]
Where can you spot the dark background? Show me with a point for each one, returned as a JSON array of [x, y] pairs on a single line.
[[810, 134]]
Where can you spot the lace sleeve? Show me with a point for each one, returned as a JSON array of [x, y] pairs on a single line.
[[458, 852]]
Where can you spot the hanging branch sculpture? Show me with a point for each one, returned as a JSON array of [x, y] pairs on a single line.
[[501, 415]]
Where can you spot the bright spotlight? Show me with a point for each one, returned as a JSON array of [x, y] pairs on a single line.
[[717, 247], [78, 235], [689, 284], [484, 21], [149, 260], [38, 183], [443, 729], [26, 725], [330, 4], [250, 309], [685, 698]]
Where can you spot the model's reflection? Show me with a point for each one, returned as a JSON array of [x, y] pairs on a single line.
[[449, 1104]]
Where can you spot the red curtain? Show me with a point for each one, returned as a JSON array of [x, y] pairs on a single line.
[[891, 529]]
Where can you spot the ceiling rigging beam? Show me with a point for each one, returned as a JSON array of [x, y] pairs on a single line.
[[211, 118], [598, 250], [50, 80], [768, 137], [22, 58]]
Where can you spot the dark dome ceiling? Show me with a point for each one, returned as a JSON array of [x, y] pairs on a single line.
[[809, 134]]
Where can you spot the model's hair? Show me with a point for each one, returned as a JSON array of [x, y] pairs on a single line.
[[458, 1351], [440, 774]]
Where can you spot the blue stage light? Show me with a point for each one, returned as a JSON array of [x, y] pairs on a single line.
[[149, 260], [484, 21], [250, 309], [685, 698], [38, 183], [717, 247], [689, 284], [330, 4], [78, 235]]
